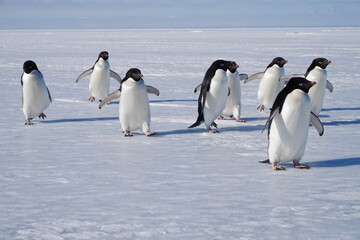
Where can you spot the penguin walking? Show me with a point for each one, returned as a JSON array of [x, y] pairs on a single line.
[[134, 107], [213, 94], [36, 96], [288, 124], [316, 72], [270, 83], [233, 102], [99, 85]]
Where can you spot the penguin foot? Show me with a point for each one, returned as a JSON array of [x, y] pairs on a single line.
[[277, 167], [213, 130], [128, 134], [221, 117], [91, 98], [240, 120], [42, 115], [148, 134], [300, 166], [28, 122], [261, 107]]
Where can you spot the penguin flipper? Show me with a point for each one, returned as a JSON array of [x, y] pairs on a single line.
[[109, 98], [315, 121], [329, 86], [115, 76], [85, 73], [199, 120], [265, 161], [198, 88], [286, 78], [254, 76], [243, 76], [271, 117], [49, 94], [150, 89]]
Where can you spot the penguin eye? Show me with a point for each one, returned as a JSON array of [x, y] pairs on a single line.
[[300, 84], [320, 62], [221, 64]]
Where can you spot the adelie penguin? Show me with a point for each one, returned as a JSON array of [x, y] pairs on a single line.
[[99, 85], [288, 124], [134, 108], [213, 94], [316, 72], [35, 94], [270, 83], [233, 102]]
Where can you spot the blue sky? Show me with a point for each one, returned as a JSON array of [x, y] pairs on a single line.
[[40, 14]]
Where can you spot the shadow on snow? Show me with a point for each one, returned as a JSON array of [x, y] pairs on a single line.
[[80, 120], [345, 162]]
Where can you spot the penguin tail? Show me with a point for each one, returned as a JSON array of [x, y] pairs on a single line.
[[199, 120], [265, 161]]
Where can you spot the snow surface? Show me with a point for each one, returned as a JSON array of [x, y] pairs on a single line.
[[74, 175]]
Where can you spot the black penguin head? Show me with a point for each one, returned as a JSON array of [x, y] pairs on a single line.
[[29, 66], [278, 61], [320, 62], [104, 55], [299, 83], [224, 65], [133, 73]]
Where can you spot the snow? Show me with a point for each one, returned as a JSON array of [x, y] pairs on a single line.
[[74, 175]]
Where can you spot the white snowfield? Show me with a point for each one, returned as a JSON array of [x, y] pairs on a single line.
[[75, 176]]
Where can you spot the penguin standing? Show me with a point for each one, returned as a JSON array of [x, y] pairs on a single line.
[[134, 108], [317, 73], [213, 94], [35, 94], [99, 84], [288, 124], [233, 103], [270, 83]]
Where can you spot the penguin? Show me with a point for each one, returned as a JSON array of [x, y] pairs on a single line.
[[213, 94], [134, 107], [288, 124], [99, 84], [316, 72], [36, 96], [233, 103], [270, 83]]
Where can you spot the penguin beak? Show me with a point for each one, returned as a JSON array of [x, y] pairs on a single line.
[[312, 83], [329, 62]]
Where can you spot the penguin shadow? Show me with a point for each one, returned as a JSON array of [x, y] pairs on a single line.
[[344, 122], [80, 120], [340, 109], [345, 162], [162, 101]]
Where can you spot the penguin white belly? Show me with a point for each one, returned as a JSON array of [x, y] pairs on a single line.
[[233, 102], [134, 108], [216, 97], [99, 85], [289, 130], [35, 95], [317, 92], [270, 86]]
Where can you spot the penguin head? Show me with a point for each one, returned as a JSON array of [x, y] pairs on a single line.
[[104, 55], [300, 83], [278, 61], [133, 73], [320, 62], [29, 66], [224, 65]]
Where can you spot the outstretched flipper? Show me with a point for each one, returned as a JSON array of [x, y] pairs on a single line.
[[315, 121], [85, 73], [115, 76], [198, 88], [109, 98], [243, 76], [152, 90], [254, 76], [329, 86]]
